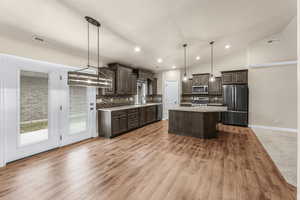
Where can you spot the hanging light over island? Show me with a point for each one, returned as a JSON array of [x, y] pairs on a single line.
[[212, 76], [185, 78]]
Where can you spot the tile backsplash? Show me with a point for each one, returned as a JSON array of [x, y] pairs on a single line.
[[154, 98], [113, 101]]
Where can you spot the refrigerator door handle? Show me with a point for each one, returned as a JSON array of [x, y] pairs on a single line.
[[235, 98]]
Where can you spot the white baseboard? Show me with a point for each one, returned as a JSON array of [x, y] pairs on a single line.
[[274, 128]]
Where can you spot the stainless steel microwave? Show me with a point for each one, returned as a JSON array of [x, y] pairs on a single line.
[[202, 89]]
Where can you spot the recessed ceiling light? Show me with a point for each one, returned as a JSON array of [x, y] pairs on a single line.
[[228, 46], [198, 58], [174, 67], [159, 60], [137, 49]]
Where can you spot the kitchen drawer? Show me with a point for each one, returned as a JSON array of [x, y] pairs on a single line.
[[119, 113], [133, 115], [135, 110], [151, 108], [132, 124]]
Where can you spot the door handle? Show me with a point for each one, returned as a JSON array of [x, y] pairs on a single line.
[[91, 109]]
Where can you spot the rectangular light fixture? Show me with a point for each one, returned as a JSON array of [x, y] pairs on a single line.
[[87, 79]]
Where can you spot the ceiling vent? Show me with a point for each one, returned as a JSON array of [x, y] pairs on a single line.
[[38, 38]]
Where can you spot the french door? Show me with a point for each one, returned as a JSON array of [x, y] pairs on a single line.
[[78, 116], [46, 113]]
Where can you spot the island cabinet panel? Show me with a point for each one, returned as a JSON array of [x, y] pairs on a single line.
[[235, 77], [194, 124]]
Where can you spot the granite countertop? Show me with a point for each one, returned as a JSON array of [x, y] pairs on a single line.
[[200, 109], [127, 107]]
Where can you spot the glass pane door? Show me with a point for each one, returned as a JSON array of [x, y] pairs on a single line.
[[78, 110], [78, 116], [33, 107]]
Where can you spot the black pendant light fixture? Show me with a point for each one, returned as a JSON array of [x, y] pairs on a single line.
[[80, 78], [212, 77], [185, 78]]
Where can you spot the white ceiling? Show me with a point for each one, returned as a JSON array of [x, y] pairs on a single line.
[[159, 27]]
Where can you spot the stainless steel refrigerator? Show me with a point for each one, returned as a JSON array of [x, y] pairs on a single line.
[[236, 99]]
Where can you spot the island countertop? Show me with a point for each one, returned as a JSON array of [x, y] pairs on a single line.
[[200, 109]]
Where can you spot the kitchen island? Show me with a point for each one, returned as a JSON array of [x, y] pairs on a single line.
[[197, 122]]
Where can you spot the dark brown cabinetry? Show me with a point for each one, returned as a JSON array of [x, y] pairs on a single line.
[[132, 84], [125, 79], [200, 79], [119, 122], [159, 111], [133, 118], [114, 123], [187, 86], [151, 114], [152, 86], [215, 88], [144, 74], [235, 77], [143, 116]]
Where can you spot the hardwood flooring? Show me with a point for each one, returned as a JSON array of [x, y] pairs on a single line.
[[150, 164]]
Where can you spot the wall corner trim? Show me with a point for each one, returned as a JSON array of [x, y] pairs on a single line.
[[273, 64], [274, 128]]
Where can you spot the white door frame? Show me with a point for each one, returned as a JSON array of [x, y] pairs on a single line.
[[2, 136], [14, 150], [64, 117], [165, 115]]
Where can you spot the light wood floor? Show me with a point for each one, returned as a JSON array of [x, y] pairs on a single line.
[[149, 163]]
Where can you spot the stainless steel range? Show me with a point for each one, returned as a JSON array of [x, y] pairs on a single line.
[[200, 101]]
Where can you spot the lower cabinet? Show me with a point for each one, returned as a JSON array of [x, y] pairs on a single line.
[[114, 123], [143, 116], [151, 114]]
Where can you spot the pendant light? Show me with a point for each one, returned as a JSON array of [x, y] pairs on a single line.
[[80, 78], [212, 77], [185, 78]]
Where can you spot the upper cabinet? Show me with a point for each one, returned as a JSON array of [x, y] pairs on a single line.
[[144, 74], [125, 79], [200, 79], [235, 77], [215, 88], [152, 86], [187, 86]]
